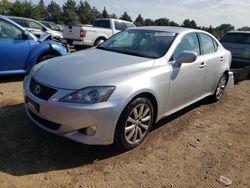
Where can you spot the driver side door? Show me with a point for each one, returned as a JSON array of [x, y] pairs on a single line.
[[187, 78], [14, 48]]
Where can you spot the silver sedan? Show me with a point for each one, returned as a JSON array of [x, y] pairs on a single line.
[[115, 92]]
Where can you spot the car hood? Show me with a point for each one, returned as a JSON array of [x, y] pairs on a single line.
[[90, 67]]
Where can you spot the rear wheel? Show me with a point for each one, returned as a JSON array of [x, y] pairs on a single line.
[[134, 123], [46, 57], [99, 41], [220, 88]]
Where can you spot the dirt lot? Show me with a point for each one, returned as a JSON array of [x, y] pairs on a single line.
[[192, 148]]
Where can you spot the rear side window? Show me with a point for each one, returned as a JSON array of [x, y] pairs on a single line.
[[188, 43], [207, 44], [243, 38], [102, 24]]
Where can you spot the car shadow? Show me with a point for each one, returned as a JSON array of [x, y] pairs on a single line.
[[12, 78], [26, 149], [168, 119]]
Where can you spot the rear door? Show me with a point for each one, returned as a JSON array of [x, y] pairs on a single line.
[[14, 49], [213, 60]]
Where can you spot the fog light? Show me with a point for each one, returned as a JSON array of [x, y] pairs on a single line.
[[90, 131]]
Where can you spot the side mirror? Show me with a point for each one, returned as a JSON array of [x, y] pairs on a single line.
[[26, 34], [186, 57]]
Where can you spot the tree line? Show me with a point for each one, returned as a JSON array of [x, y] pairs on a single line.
[[71, 13]]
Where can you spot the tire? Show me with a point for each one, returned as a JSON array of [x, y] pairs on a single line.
[[46, 57], [220, 88], [134, 123], [99, 41]]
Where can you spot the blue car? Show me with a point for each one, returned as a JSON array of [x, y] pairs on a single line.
[[21, 50]]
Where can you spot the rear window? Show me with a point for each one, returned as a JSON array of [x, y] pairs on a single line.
[[102, 23], [243, 38]]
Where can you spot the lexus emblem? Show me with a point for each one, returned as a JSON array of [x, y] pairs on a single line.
[[37, 89]]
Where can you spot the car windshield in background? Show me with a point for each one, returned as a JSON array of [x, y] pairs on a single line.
[[143, 43], [243, 38]]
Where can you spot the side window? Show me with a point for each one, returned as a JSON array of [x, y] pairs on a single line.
[[120, 26], [207, 44], [188, 43], [34, 25], [9, 31]]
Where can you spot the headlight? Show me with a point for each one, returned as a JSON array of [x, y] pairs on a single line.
[[89, 95]]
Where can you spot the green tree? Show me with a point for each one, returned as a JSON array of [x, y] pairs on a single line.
[[113, 16], [24, 9], [245, 28], [105, 13], [189, 24], [96, 12], [86, 13], [149, 22], [69, 14], [54, 12], [42, 10], [162, 22], [222, 29], [4, 6], [126, 17], [139, 21]]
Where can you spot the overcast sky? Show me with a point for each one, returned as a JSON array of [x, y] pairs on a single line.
[[204, 12]]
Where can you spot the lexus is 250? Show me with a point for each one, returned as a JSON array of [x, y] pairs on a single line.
[[115, 92]]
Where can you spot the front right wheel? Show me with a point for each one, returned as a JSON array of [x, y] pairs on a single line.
[[134, 123]]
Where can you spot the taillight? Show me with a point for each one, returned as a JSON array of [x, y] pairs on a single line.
[[83, 33]]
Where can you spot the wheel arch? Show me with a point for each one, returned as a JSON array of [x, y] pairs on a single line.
[[100, 38], [37, 53]]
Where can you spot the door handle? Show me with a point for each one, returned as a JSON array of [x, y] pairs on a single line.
[[222, 59], [202, 65]]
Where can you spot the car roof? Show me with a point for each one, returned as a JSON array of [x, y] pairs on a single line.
[[248, 32], [166, 28], [23, 18], [114, 20]]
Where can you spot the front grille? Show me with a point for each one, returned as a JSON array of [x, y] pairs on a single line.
[[41, 91], [48, 124]]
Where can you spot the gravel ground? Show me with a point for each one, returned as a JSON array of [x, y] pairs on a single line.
[[192, 148]]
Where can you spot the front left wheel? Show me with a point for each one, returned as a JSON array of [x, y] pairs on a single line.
[[134, 123]]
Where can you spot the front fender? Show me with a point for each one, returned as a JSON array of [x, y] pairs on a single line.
[[41, 49]]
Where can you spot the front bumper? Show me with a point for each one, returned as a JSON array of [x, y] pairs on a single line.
[[71, 118]]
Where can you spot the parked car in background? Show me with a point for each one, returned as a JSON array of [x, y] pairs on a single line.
[[114, 93], [21, 50], [238, 42], [51, 25], [91, 35], [36, 27]]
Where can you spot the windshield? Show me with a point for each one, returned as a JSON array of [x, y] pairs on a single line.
[[243, 38], [143, 43]]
